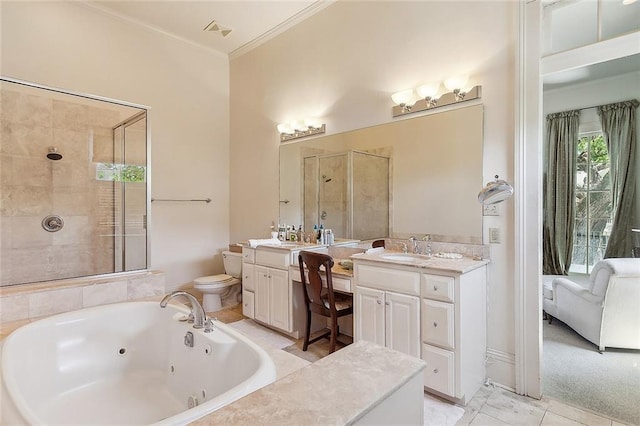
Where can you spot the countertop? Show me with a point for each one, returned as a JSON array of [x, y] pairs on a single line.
[[297, 245], [418, 261], [338, 389]]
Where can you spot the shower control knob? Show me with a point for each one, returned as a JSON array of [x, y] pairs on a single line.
[[52, 223]]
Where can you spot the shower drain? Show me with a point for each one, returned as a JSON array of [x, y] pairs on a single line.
[[52, 223]]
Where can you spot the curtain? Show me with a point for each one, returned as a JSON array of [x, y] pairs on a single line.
[[619, 130], [559, 192]]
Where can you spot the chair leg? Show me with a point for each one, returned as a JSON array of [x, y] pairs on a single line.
[[305, 345], [334, 334]]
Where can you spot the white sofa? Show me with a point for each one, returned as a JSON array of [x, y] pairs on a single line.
[[606, 309]]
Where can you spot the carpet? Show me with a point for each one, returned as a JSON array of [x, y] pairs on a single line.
[[255, 331], [574, 372]]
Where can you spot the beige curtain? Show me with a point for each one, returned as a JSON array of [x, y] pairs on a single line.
[[559, 191], [619, 129]]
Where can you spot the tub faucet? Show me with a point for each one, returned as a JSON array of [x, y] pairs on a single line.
[[200, 319]]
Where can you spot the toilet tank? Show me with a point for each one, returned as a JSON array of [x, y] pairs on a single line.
[[232, 263]]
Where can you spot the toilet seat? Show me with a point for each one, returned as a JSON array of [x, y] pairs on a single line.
[[215, 281]]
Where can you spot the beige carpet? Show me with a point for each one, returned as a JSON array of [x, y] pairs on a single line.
[[437, 412]]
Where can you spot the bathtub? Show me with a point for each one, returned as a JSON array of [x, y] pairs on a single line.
[[125, 363]]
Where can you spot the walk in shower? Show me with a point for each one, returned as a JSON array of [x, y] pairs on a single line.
[[348, 193], [73, 185]]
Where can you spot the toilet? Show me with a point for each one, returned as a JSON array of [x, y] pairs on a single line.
[[214, 287]]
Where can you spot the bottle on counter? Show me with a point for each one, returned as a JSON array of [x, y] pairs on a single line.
[[316, 233], [300, 234]]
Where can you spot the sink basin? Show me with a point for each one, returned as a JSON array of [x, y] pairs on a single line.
[[399, 257]]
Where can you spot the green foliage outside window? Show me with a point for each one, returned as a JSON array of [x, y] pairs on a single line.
[[120, 172]]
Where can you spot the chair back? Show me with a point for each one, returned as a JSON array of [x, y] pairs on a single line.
[[314, 293], [378, 243]]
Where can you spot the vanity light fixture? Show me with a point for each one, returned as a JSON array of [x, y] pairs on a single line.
[[426, 97], [300, 129]]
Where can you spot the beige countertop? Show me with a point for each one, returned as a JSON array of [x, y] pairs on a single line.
[[419, 261], [338, 389]]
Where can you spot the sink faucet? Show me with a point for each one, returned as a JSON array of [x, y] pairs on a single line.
[[414, 240], [200, 319], [404, 248]]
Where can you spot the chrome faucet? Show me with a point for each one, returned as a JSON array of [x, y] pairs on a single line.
[[414, 240], [404, 248], [200, 319]]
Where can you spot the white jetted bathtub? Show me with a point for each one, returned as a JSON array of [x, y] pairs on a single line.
[[125, 363]]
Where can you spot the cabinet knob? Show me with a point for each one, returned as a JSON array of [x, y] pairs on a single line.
[[435, 288], [386, 303], [379, 301], [435, 323], [435, 371]]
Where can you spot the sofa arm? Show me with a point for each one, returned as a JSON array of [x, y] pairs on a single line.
[[575, 289]]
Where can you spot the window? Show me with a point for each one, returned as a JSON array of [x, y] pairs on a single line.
[[593, 203], [120, 172]]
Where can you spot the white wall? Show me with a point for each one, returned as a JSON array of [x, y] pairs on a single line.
[[342, 65], [598, 92], [76, 48]]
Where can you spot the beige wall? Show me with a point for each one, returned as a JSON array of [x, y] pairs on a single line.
[[74, 47], [342, 65]]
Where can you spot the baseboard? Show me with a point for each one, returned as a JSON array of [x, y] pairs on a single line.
[[501, 368]]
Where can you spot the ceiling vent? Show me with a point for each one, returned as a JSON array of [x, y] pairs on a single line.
[[217, 28]]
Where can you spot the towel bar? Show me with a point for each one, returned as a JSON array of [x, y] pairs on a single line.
[[206, 200]]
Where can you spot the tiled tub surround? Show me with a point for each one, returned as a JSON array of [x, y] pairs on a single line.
[[22, 303], [32, 187], [349, 386]]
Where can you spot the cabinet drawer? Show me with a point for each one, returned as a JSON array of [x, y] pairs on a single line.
[[438, 287], [248, 255], [388, 279], [339, 284], [248, 280], [440, 372], [248, 298], [276, 259], [438, 323]]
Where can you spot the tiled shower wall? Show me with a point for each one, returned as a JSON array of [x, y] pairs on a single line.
[[32, 187]]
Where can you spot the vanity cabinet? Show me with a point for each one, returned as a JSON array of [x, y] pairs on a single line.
[[435, 314], [272, 296], [387, 308], [248, 284], [453, 331]]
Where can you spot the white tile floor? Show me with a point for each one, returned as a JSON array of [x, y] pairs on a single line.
[[497, 406]]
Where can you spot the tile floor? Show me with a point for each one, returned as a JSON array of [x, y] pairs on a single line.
[[492, 405]]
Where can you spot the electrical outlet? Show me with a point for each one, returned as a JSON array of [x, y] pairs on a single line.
[[490, 210], [494, 235]]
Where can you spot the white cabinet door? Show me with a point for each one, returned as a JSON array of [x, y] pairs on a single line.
[[247, 303], [369, 313], [261, 282], [402, 331], [248, 271], [279, 299]]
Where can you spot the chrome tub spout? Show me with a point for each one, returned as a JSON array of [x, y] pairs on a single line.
[[199, 316]]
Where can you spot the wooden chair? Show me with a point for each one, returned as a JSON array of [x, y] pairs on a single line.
[[377, 243], [322, 300]]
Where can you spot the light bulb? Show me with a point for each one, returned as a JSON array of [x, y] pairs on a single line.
[[456, 83], [405, 97], [429, 90], [285, 128], [299, 125]]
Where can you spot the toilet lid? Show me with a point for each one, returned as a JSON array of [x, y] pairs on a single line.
[[221, 278]]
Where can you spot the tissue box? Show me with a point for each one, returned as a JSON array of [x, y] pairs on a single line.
[[235, 248]]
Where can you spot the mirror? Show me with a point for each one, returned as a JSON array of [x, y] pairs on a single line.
[[73, 185], [434, 172]]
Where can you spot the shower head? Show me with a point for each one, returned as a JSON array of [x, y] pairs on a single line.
[[53, 154]]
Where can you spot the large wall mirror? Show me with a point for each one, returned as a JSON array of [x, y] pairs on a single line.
[[413, 176], [73, 185]]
